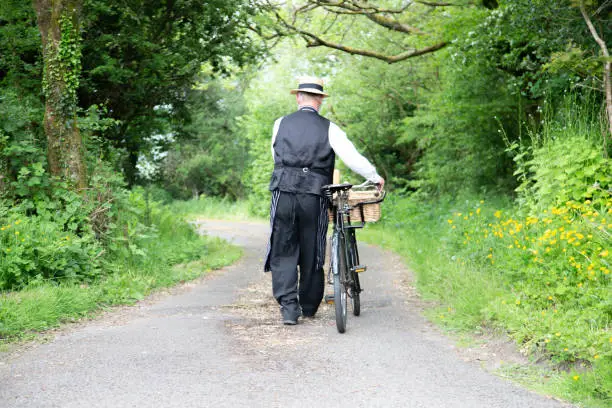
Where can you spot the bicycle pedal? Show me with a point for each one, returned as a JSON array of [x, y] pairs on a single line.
[[329, 299], [359, 268]]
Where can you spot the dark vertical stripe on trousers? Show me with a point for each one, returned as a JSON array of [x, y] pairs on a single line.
[[273, 205], [322, 232]]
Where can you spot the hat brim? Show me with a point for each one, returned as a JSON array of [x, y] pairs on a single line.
[[310, 91]]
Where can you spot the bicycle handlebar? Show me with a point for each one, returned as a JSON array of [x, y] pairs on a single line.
[[365, 185]]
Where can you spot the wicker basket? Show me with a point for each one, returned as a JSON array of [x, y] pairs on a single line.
[[371, 212]]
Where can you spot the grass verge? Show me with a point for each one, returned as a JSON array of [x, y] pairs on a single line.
[[173, 254], [466, 263]]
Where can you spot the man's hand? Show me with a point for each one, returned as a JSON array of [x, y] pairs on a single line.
[[380, 184]]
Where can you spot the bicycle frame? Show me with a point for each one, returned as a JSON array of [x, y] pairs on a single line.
[[344, 254], [346, 234]]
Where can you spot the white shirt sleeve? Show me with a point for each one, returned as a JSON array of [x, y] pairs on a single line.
[[274, 132], [350, 156]]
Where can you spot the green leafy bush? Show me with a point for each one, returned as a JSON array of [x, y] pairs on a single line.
[[564, 160], [47, 238]]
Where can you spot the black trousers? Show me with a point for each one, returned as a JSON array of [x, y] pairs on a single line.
[[293, 244]]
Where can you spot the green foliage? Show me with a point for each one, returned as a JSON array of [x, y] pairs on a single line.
[[564, 160], [543, 279], [458, 130], [522, 37], [63, 66], [375, 120], [136, 60], [20, 48], [495, 74], [212, 158], [22, 144], [49, 239]]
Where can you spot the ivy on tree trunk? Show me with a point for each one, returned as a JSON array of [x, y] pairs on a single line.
[[58, 22]]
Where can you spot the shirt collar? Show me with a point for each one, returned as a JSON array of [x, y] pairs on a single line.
[[307, 108]]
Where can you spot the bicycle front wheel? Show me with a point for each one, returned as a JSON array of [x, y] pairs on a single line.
[[355, 295], [355, 287], [338, 263]]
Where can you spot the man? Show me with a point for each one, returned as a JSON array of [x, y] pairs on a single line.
[[304, 148]]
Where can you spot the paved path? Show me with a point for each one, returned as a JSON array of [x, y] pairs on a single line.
[[218, 343]]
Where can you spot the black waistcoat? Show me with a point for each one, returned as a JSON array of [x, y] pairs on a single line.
[[303, 157]]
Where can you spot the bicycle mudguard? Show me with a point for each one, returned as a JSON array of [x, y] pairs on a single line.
[[333, 260]]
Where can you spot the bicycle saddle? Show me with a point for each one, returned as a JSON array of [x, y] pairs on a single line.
[[332, 188]]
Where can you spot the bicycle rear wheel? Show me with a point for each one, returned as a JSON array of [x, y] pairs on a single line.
[[338, 263]]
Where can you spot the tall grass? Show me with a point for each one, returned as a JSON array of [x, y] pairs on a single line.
[[215, 208]]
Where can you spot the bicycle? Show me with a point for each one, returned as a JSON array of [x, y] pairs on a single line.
[[344, 257]]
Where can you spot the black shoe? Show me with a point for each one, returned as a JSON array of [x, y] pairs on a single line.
[[308, 315], [289, 322], [289, 317]]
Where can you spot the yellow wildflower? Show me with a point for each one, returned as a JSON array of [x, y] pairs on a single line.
[[603, 253]]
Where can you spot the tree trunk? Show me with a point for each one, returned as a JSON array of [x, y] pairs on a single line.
[[58, 22]]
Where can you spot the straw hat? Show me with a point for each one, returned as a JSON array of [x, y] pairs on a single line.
[[310, 85]]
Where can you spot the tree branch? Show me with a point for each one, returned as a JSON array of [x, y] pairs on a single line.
[[607, 69], [392, 24], [437, 3], [358, 7], [314, 41]]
